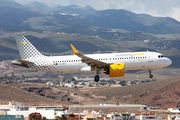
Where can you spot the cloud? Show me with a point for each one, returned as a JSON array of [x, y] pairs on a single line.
[[162, 8]]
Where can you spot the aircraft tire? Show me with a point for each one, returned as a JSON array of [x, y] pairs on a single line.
[[96, 78], [151, 76]]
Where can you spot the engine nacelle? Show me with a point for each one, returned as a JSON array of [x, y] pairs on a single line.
[[116, 70]]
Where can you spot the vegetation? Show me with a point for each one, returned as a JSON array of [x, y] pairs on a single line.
[[44, 118], [32, 117], [71, 115], [63, 117]]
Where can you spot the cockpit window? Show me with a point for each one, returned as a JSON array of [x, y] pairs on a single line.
[[160, 56]]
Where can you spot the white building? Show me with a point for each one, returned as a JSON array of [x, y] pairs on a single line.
[[116, 116], [148, 116], [50, 112], [174, 110], [49, 83]]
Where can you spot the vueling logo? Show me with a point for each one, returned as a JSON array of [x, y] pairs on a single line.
[[138, 54]]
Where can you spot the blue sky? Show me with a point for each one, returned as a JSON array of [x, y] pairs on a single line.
[[160, 8]]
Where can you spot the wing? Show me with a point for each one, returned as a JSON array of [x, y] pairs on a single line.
[[89, 61]]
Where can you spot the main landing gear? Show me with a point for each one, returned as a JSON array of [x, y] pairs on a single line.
[[96, 78], [150, 75]]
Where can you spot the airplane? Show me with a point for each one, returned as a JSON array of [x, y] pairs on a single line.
[[112, 64]]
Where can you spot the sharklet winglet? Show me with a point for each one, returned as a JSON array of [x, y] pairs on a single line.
[[74, 49]]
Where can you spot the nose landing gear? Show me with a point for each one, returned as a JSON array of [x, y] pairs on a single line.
[[150, 75]]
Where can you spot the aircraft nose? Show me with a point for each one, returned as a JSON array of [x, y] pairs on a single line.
[[168, 61]]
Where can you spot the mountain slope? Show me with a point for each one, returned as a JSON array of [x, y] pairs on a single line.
[[115, 19], [133, 22], [10, 3], [74, 9], [146, 92], [11, 92], [164, 96]]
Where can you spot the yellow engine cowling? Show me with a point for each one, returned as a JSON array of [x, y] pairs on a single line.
[[116, 70]]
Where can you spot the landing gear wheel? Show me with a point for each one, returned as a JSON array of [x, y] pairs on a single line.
[[151, 76], [96, 78]]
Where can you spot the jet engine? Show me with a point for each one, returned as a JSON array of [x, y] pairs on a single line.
[[116, 70]]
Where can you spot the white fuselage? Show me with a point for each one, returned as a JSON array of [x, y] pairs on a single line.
[[132, 61]]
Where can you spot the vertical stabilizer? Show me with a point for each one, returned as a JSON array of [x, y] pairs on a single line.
[[26, 49]]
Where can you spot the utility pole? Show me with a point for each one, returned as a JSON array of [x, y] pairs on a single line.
[[79, 106]]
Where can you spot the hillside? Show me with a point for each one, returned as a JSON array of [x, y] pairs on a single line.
[[38, 17], [161, 93], [11, 92], [133, 22], [164, 97], [41, 94]]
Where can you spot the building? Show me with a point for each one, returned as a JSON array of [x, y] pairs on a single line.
[[148, 116], [76, 117], [174, 110], [88, 117], [173, 117], [12, 104], [104, 106], [11, 117], [116, 116], [50, 112], [2, 112]]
